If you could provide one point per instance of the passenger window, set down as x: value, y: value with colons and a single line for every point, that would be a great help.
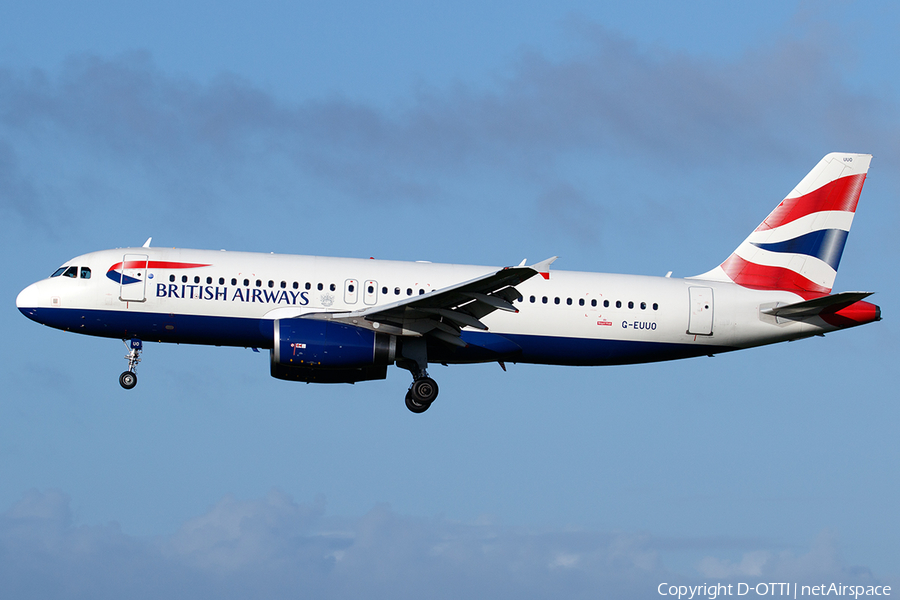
x: 351, y: 288
x: 630, y: 304
x: 397, y: 291
x: 85, y: 273
x: 371, y: 289
x: 184, y: 279
x: 384, y: 290
x: 283, y: 284
x: 409, y: 291
x: 308, y: 285
x: 581, y: 302
x: 296, y: 285
x: 556, y: 300
x: 259, y: 283
x: 320, y: 287
x: 196, y: 279
x: 569, y: 301
x: 271, y: 283
x: 246, y: 283
x: 544, y: 299
x: 618, y: 304
x: 606, y: 304
x: 594, y: 303
x: 532, y: 299
x: 655, y: 306
x: 421, y: 291
x: 172, y: 278
x: 221, y: 281
x: 643, y: 306
x: 332, y: 287
x: 233, y: 281
x: 58, y: 272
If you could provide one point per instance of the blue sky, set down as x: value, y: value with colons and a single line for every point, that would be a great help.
x: 640, y: 138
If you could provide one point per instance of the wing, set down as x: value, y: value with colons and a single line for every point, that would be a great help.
x: 443, y: 313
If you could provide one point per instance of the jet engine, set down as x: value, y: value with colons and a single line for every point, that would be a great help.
x: 321, y: 351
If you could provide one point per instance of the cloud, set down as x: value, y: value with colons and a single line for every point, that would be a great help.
x: 18, y: 195
x: 821, y: 562
x: 615, y: 97
x: 275, y: 547
x: 237, y: 535
x: 750, y: 565
x: 570, y: 210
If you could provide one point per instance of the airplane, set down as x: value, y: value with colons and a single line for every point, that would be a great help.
x: 345, y: 320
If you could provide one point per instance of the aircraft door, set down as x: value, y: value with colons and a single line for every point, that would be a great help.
x: 701, y: 321
x: 133, y: 278
x: 351, y: 291
x: 371, y: 292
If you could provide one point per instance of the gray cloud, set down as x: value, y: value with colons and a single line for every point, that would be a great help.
x: 615, y: 94
x: 18, y: 195
x: 821, y: 563
x: 274, y: 547
x: 568, y: 209
x: 563, y: 137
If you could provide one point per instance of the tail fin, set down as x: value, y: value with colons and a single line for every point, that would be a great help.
x: 798, y: 246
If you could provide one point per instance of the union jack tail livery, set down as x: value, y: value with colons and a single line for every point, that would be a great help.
x: 798, y: 247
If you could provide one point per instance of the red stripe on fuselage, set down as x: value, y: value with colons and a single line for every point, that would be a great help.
x: 840, y: 194
x: 156, y: 264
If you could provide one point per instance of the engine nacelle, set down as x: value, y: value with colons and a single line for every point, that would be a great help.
x: 315, y: 350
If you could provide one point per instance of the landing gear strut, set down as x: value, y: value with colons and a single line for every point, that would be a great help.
x: 423, y: 390
x: 128, y: 379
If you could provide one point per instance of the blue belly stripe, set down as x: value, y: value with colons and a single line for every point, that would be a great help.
x: 258, y: 333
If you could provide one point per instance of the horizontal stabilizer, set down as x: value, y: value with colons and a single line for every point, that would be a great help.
x: 811, y: 308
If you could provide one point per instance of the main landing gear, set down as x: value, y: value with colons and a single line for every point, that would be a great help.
x: 423, y: 390
x: 421, y: 394
x: 128, y: 379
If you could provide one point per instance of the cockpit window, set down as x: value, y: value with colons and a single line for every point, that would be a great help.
x: 72, y: 272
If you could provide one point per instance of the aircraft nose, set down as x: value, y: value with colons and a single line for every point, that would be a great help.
x: 27, y: 300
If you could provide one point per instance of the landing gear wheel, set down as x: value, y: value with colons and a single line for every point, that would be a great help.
x: 414, y: 405
x: 128, y: 380
x: 424, y: 390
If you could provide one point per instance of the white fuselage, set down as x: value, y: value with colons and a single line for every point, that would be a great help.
x: 233, y: 298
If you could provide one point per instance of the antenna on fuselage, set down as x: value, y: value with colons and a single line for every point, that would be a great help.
x: 147, y: 243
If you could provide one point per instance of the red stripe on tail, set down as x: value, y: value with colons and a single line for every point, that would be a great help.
x: 764, y: 277
x: 840, y: 194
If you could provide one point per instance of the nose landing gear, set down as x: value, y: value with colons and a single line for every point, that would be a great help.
x: 128, y: 379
